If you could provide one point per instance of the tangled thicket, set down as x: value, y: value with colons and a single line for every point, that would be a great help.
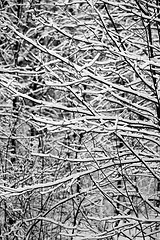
x: 79, y: 119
